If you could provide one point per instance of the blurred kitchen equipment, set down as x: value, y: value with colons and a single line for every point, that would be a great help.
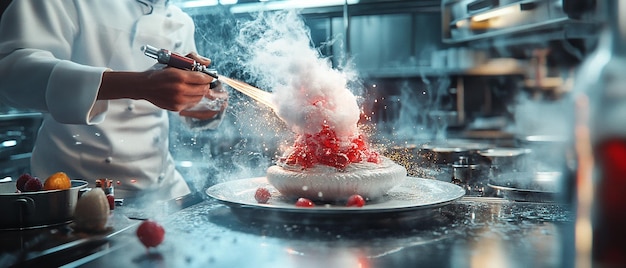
x: 547, y: 152
x: 447, y: 151
x: 40, y: 209
x: 18, y: 131
x: 527, y: 186
x: 467, y: 20
x: 503, y: 159
x: 472, y: 177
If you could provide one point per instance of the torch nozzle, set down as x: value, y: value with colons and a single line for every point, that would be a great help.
x: 211, y: 72
x: 150, y: 51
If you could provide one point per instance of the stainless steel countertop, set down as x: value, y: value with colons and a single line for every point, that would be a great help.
x: 471, y: 232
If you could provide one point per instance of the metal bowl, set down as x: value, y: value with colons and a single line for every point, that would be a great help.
x: 37, y: 209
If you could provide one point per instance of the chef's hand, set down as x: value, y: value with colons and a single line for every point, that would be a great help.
x: 205, y: 114
x: 216, y: 91
x: 168, y: 88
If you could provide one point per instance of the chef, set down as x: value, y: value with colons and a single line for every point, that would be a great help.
x: 104, y: 103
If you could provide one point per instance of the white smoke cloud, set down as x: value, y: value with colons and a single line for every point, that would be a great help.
x: 307, y: 91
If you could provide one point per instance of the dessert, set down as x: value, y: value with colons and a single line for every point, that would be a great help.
x: 322, y: 167
x: 371, y: 180
x: 330, y: 159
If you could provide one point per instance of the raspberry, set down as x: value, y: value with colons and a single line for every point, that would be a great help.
x: 150, y: 233
x: 262, y: 195
x: 303, y: 202
x: 21, y: 181
x: 326, y: 148
x: 373, y: 157
x: 355, y: 201
x: 33, y: 185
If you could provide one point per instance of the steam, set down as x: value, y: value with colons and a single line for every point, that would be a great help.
x: 307, y: 91
x: 409, y: 115
x: 541, y: 117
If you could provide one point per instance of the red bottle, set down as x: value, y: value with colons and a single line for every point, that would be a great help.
x: 601, y: 146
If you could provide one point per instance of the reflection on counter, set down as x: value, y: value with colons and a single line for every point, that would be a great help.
x: 470, y: 231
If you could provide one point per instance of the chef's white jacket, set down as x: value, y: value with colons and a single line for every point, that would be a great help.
x: 52, y: 57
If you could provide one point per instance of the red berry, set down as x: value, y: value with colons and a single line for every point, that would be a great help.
x: 374, y: 157
x: 262, y: 195
x: 326, y: 148
x: 150, y: 233
x: 21, y: 181
x: 303, y: 202
x: 33, y: 185
x: 355, y: 201
x: 111, y: 200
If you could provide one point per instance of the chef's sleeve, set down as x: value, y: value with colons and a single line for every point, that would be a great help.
x: 36, y: 71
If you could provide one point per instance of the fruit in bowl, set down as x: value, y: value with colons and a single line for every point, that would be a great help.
x: 28, y: 183
x: 57, y: 181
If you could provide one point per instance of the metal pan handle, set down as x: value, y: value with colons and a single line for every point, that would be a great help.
x: 25, y: 205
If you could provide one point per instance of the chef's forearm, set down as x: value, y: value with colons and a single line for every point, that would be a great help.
x: 120, y: 85
x: 170, y: 89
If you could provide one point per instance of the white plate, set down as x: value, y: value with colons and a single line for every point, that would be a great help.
x: 414, y: 198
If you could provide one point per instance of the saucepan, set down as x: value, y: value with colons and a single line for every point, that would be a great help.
x: 449, y: 151
x: 505, y: 159
x: 473, y: 177
x: 40, y: 209
x: 537, y: 186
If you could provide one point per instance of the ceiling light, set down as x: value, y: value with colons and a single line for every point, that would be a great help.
x: 496, y: 13
x: 288, y: 4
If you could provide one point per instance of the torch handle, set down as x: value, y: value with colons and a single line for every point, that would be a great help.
x: 178, y: 61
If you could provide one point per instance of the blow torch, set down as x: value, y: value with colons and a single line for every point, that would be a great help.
x: 178, y: 61
x: 168, y: 58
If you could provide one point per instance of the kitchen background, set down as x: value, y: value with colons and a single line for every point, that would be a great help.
x: 480, y: 70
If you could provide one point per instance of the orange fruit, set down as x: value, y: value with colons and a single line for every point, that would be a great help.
x: 57, y: 181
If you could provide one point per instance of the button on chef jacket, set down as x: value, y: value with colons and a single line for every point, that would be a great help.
x: 52, y: 57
